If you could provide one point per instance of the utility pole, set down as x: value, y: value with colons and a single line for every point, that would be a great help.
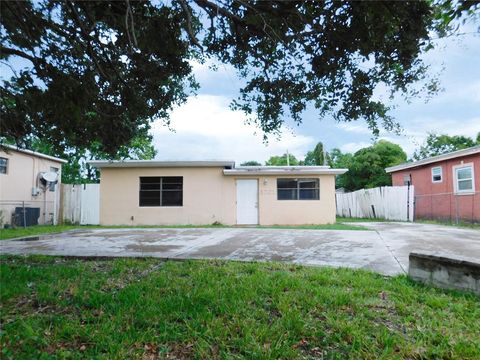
x: 288, y: 158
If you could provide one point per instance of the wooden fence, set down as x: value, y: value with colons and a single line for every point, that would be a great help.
x: 80, y: 204
x: 388, y: 202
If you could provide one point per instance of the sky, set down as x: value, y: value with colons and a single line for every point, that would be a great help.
x: 206, y: 128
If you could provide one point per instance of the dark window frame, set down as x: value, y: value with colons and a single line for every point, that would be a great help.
x: 3, y: 165
x: 298, y: 191
x: 164, y: 187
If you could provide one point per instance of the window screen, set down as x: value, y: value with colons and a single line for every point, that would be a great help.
x: 161, y: 191
x: 298, y: 189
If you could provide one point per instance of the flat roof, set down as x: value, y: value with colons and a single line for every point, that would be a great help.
x: 228, y: 165
x: 451, y: 155
x: 158, y: 163
x: 283, y: 170
x: 34, y: 153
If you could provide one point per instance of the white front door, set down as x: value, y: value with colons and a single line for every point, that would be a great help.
x: 247, y: 202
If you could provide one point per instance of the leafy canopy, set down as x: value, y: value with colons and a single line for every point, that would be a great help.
x: 366, y: 168
x: 441, y: 144
x: 284, y: 160
x: 100, y: 71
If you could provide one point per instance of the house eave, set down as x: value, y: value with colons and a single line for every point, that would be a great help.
x: 33, y: 153
x: 161, y: 164
x: 455, y: 154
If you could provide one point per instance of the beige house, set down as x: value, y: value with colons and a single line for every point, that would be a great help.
x: 26, y: 196
x: 148, y: 192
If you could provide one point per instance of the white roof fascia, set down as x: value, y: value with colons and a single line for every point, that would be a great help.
x: 452, y: 155
x: 155, y: 163
x: 34, y: 153
x: 297, y: 171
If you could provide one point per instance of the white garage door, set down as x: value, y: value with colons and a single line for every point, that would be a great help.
x: 247, y: 202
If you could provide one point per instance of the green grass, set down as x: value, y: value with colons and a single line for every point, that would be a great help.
x: 49, y: 229
x: 145, y: 308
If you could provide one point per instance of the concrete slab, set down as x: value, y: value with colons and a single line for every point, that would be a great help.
x: 385, y: 249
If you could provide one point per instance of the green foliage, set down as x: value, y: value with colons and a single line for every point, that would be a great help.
x: 315, y: 156
x: 148, y: 308
x: 282, y: 160
x: 368, y: 165
x: 250, y: 163
x: 366, y: 168
x: 441, y: 144
x: 338, y: 160
x: 98, y: 72
x: 77, y: 171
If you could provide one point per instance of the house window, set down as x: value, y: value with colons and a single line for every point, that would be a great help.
x: 406, y: 180
x: 298, y: 189
x: 437, y: 174
x: 3, y: 165
x: 161, y: 191
x: 464, y: 179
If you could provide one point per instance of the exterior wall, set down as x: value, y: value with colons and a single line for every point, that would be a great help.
x: 438, y: 200
x: 208, y: 196
x: 16, y: 186
x: 296, y: 212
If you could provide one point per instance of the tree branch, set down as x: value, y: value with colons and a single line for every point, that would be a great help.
x: 186, y: 9
x: 10, y: 51
x: 205, y: 4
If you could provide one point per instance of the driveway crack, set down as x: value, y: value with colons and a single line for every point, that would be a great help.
x: 390, y: 251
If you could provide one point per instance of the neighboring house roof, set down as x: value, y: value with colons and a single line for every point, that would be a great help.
x: 452, y: 155
x: 229, y: 167
x: 284, y: 170
x: 156, y: 163
x: 34, y: 153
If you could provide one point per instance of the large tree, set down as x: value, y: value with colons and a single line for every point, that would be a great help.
x: 436, y: 144
x: 315, y: 156
x: 98, y: 72
x: 367, y: 166
x: 339, y: 160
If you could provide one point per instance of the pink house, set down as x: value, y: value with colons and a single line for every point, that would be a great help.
x: 447, y: 187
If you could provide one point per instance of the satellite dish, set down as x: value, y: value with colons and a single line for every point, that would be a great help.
x: 50, y: 176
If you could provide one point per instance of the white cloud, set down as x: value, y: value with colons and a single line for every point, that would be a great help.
x: 352, y: 147
x: 357, y: 128
x: 205, y: 128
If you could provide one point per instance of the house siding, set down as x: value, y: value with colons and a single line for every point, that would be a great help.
x: 208, y: 196
x: 438, y: 200
x: 16, y: 186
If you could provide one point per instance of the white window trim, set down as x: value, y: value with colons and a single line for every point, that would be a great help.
x: 455, y: 180
x: 441, y: 174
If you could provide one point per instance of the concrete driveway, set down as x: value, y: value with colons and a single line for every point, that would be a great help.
x: 385, y: 249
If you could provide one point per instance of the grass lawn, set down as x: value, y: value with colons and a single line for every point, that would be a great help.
x: 49, y: 229
x: 147, y: 309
